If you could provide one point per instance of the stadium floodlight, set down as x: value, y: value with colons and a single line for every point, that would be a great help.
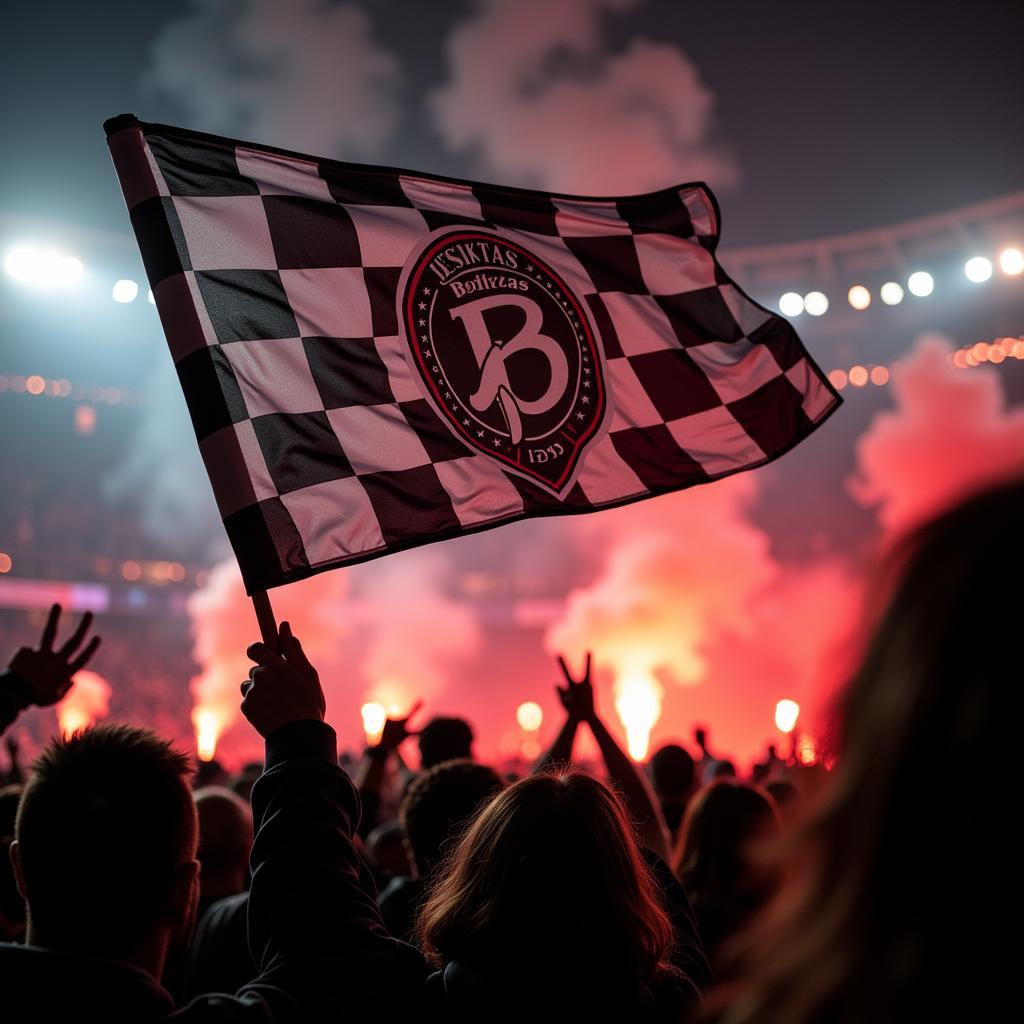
x: 791, y: 304
x: 1011, y: 261
x: 22, y: 264
x: 63, y: 271
x: 816, y: 303
x: 42, y: 268
x: 124, y: 291
x: 859, y: 297
x: 978, y: 269
x: 891, y: 293
x: 921, y: 283
x: 149, y: 297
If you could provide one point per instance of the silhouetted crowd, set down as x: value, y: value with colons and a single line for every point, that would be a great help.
x: 303, y: 888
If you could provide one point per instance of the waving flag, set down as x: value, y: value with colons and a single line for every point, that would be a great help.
x: 375, y: 359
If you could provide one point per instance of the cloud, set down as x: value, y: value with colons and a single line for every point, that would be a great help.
x: 301, y: 74
x: 949, y: 435
x: 536, y: 94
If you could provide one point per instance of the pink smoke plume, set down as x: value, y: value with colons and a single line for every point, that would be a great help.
x: 385, y: 632
x: 87, y: 701
x: 416, y: 635
x: 534, y: 90
x: 682, y: 571
x: 949, y: 435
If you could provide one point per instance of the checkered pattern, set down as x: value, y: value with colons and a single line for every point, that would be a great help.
x: 275, y: 277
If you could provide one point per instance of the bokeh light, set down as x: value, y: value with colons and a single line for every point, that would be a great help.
x: 816, y: 303
x: 978, y: 269
x: 124, y: 291
x: 530, y: 716
x: 1011, y: 261
x: 858, y: 376
x: 859, y: 297
x: 891, y: 293
x: 921, y: 283
x: 791, y: 304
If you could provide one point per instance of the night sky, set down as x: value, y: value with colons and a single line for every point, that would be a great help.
x: 839, y: 116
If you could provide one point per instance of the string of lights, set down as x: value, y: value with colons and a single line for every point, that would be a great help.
x: 152, y: 573
x: 920, y: 284
x: 60, y: 387
x: 996, y: 351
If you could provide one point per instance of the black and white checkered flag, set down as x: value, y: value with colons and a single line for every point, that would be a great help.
x: 376, y: 359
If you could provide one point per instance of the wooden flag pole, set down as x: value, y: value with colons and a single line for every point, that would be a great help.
x: 265, y: 617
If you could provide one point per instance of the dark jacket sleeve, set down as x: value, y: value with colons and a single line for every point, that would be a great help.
x: 314, y: 927
x: 14, y: 698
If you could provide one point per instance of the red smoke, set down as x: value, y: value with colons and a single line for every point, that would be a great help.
x: 951, y: 433
x: 596, y: 122
x: 383, y: 632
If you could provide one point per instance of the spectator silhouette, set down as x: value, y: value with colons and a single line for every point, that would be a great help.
x: 106, y: 838
x: 548, y: 887
x: 218, y: 958
x: 388, y: 852
x: 672, y: 771
x: 715, y: 861
x: 225, y: 839
x: 544, y: 909
x: 445, y: 739
x: 12, y: 906
x: 435, y: 809
x: 129, y: 897
x: 905, y: 883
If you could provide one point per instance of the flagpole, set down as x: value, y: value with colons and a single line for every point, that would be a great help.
x: 265, y: 617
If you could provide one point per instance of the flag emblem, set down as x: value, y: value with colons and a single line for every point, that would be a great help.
x: 505, y: 352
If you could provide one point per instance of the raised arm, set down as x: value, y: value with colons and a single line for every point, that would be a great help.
x: 41, y: 675
x: 372, y: 769
x: 314, y: 927
x: 560, y: 752
x: 578, y: 699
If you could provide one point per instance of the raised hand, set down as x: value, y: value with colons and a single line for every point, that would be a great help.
x: 283, y: 687
x: 396, y: 730
x: 49, y: 672
x: 577, y: 696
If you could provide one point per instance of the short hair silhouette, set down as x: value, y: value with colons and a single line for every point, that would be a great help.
x: 439, y: 804
x: 445, y: 739
x: 672, y: 770
x: 105, y: 821
x: 225, y: 832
